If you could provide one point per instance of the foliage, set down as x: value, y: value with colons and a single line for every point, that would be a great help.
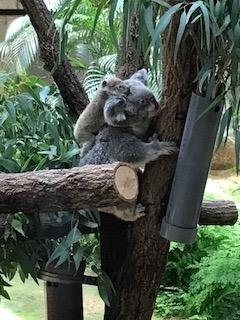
x: 170, y: 304
x: 35, y: 129
x: 74, y: 21
x: 199, y: 271
x: 36, y: 133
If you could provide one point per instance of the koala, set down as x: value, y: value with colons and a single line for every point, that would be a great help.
x: 91, y: 119
x: 128, y: 103
x: 128, y: 117
x: 114, y: 144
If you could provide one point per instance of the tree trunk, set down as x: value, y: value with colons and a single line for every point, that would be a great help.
x: 68, y: 82
x: 141, y: 252
x: 68, y: 189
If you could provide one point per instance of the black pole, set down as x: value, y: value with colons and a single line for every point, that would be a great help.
x: 64, y: 301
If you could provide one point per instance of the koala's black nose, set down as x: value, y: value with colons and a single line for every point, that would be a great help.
x: 127, y: 91
x: 121, y: 101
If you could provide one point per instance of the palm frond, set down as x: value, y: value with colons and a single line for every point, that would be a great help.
x: 20, y: 47
x: 105, y: 66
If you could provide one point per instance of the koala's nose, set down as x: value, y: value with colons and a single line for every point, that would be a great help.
x: 121, y: 101
x: 127, y: 91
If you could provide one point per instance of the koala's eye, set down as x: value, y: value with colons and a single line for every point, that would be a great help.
x: 142, y: 101
x: 104, y: 83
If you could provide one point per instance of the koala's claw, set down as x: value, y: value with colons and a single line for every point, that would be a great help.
x: 169, y: 147
x: 139, y: 210
x: 154, y: 137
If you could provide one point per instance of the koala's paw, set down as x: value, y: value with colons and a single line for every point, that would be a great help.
x: 139, y: 211
x: 155, y: 137
x: 168, y: 147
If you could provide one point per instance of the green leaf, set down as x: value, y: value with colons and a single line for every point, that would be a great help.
x: 192, y: 9
x: 180, y: 32
x: 77, y: 257
x: 11, y: 110
x: 63, y: 257
x: 162, y: 3
x: 111, y: 22
x: 69, y: 155
x: 164, y: 22
x: 73, y: 236
x: 9, y: 165
x: 148, y: 18
x: 59, y: 251
x: 3, y: 78
x: 4, y: 294
x: 218, y: 100
x: 203, y: 79
x: 103, y: 291
x: 3, y: 282
x: 17, y: 225
x: 206, y: 23
x: 237, y: 149
x: 224, y: 124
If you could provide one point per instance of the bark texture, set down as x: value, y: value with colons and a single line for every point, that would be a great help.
x: 67, y: 189
x: 140, y: 253
x: 218, y: 213
x: 67, y: 80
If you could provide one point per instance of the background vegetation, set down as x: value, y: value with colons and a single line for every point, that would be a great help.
x: 36, y: 133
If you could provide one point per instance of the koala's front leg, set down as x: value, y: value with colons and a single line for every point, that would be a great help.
x: 126, y: 212
x: 156, y: 148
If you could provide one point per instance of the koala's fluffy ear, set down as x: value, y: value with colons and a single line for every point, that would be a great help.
x: 140, y: 75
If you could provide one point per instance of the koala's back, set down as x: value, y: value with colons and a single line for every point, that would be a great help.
x: 113, y: 144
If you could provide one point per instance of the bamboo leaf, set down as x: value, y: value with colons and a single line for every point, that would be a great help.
x: 111, y: 22
x: 213, y: 104
x: 162, y: 3
x: 224, y: 124
x: 180, y: 32
x: 203, y: 79
x: 148, y: 18
x: 237, y: 149
x: 207, y: 24
x: 192, y: 9
x: 164, y: 21
x: 99, y: 11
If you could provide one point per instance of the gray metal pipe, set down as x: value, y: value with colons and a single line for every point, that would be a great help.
x: 180, y: 222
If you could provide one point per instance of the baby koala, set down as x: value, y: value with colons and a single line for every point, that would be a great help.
x: 113, y: 94
x: 91, y: 120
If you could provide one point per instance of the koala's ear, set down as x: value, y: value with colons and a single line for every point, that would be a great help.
x: 141, y: 75
x: 104, y: 83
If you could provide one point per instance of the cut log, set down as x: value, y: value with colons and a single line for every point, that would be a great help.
x: 68, y: 189
x: 219, y: 213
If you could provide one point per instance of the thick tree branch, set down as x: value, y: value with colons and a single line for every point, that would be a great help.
x: 68, y: 82
x: 67, y: 189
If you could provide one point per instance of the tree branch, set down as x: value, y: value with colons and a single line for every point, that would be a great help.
x: 66, y: 79
x: 67, y: 189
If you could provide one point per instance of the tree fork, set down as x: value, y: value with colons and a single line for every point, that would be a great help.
x: 68, y: 189
x: 67, y: 80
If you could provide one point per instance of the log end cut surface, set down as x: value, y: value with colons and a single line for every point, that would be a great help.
x: 126, y: 183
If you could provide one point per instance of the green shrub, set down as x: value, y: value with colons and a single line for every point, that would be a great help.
x: 35, y: 129
x: 207, y: 273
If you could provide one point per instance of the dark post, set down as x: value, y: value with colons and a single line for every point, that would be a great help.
x: 64, y: 301
x: 63, y: 292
